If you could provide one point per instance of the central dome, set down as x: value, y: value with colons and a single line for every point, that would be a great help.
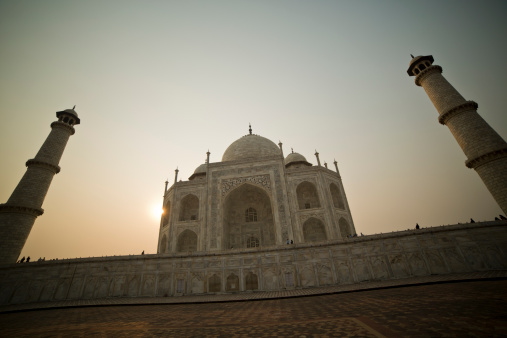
x: 250, y: 147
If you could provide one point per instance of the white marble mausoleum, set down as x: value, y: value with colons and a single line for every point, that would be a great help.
x: 254, y: 197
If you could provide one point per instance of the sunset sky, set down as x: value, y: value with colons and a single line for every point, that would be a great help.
x: 158, y: 83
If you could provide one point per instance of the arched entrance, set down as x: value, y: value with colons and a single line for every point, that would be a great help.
x: 187, y: 241
x: 248, y: 218
x: 337, y: 196
x: 344, y: 228
x: 314, y: 230
x: 163, y: 244
x: 189, y: 208
x: 307, y: 195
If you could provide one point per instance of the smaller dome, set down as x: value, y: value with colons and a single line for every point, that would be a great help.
x: 200, y: 169
x: 295, y: 158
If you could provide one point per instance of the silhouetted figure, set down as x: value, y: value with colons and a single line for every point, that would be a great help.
x: 287, y: 241
x: 44, y: 259
x: 503, y: 217
x: 417, y: 226
x: 497, y: 219
x: 142, y: 253
x: 472, y: 220
x: 291, y: 241
x: 362, y: 234
x: 28, y: 259
x: 22, y: 259
x: 355, y: 235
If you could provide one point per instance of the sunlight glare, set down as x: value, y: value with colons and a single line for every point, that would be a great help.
x: 156, y: 211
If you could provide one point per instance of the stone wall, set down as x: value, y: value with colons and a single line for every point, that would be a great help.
x: 439, y: 250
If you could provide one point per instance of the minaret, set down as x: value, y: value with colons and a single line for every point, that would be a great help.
x: 18, y: 215
x: 485, y: 150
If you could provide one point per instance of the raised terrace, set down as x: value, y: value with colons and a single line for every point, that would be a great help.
x: 444, y: 250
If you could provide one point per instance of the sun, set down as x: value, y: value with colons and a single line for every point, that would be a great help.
x: 156, y: 211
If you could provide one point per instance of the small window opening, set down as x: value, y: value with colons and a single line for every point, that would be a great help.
x: 193, y: 217
x: 252, y: 242
x: 422, y: 67
x: 65, y: 119
x: 251, y: 215
x: 307, y: 205
x: 416, y: 71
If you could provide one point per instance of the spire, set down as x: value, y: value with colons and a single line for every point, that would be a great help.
x: 280, y: 144
x: 207, y: 157
x: 336, y: 166
x: 317, y: 156
x: 412, y: 56
x: 250, y: 128
x: 176, y: 175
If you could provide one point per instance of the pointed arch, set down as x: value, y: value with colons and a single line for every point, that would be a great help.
x: 337, y: 196
x: 314, y: 230
x: 187, y: 241
x: 232, y: 283
x: 189, y: 208
x: 247, y: 218
x: 307, y: 195
x: 167, y: 213
x: 163, y: 244
x: 215, y: 284
x: 251, y: 281
x: 344, y: 228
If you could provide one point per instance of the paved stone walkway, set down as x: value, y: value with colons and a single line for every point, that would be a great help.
x: 465, y: 305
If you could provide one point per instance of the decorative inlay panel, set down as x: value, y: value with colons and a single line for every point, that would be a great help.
x: 304, y: 217
x: 261, y: 180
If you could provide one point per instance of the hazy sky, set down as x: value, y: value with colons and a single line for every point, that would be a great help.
x: 158, y: 83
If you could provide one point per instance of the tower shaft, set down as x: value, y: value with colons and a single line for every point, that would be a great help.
x: 18, y: 214
x: 484, y: 148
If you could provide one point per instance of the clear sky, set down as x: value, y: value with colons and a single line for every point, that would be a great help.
x: 158, y: 83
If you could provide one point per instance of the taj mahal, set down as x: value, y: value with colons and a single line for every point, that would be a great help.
x: 254, y: 198
x: 261, y: 219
